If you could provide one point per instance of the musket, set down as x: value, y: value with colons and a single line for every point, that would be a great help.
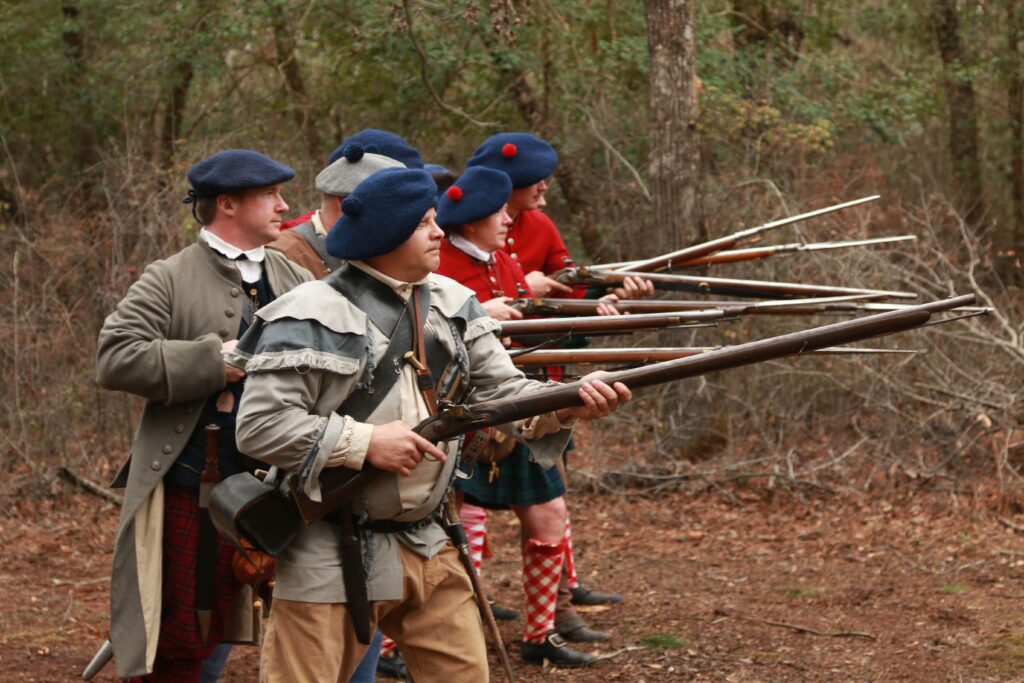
x: 604, y: 324
x: 98, y: 661
x: 565, y: 307
x: 453, y: 526
x: 729, y: 241
x: 548, y: 357
x: 584, y: 276
x: 339, y: 484
x: 756, y: 253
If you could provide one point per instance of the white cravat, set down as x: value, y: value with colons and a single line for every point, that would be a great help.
x: 465, y: 246
x: 249, y: 267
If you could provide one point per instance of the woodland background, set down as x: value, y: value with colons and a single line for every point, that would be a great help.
x: 674, y: 120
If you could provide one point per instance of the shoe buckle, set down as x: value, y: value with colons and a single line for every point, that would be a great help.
x: 556, y: 640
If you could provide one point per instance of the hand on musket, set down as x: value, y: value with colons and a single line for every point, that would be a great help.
x: 606, y: 305
x: 499, y: 309
x: 542, y: 285
x: 395, y: 447
x: 599, y: 399
x: 634, y: 288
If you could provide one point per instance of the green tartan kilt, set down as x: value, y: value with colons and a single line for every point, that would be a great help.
x: 519, y: 482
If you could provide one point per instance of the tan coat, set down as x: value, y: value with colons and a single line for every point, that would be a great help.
x: 289, y: 403
x: 297, y: 249
x: 163, y: 342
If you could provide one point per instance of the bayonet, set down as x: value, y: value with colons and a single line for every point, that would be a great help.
x: 755, y: 253
x: 729, y: 241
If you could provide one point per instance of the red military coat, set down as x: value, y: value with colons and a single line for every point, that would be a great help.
x: 502, y: 277
x: 534, y: 242
x: 293, y: 222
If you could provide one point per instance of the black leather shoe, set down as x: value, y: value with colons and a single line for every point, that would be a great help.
x: 555, y: 651
x: 503, y: 613
x: 581, y: 595
x: 582, y: 634
x: 392, y: 667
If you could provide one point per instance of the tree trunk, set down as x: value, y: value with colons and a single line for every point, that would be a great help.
x: 85, y: 154
x: 174, y: 113
x: 288, y: 64
x: 964, y: 145
x: 675, y: 146
x: 1015, y: 108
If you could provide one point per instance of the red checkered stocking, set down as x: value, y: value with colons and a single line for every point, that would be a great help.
x: 570, y: 561
x: 387, y: 647
x: 474, y: 522
x: 542, y: 570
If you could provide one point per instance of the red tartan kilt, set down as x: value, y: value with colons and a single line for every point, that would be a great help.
x: 179, y: 628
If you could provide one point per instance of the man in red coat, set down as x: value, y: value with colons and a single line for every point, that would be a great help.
x: 472, y: 213
x: 533, y: 239
x: 535, y: 243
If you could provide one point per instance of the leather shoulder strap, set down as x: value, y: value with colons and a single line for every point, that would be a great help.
x: 389, y: 313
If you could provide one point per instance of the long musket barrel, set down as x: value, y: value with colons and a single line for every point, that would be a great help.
x: 585, y: 277
x: 729, y: 241
x: 339, y: 484
x: 596, y: 324
x: 755, y: 253
x: 655, y: 355
x: 834, y: 304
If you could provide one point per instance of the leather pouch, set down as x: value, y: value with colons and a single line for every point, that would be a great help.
x: 245, y: 507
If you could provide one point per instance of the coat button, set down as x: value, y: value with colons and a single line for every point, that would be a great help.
x: 179, y: 428
x: 155, y: 466
x: 510, y: 240
x: 235, y: 291
x: 168, y: 449
x: 224, y: 332
x: 229, y: 313
x: 515, y: 256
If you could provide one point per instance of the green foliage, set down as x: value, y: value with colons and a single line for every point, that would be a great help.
x: 663, y: 641
x: 955, y: 588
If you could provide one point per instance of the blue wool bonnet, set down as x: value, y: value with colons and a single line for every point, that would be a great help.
x: 381, y: 213
x: 381, y: 142
x: 231, y: 172
x: 478, y: 193
x: 234, y: 170
x: 524, y: 157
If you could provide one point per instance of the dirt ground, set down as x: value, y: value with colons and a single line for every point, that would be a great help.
x: 901, y: 586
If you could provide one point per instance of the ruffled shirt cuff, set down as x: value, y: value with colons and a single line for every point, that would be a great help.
x: 540, y: 426
x: 350, y: 449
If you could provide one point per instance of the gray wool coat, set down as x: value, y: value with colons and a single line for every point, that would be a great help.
x: 163, y: 342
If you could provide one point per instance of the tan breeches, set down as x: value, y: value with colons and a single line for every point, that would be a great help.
x: 436, y: 625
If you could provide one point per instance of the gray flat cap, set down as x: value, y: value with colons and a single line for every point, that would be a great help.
x: 341, y: 177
